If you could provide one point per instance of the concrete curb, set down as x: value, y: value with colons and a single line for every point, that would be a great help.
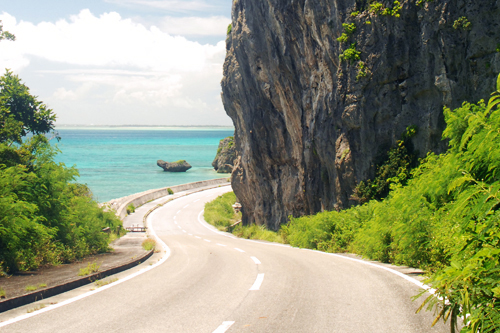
x: 69, y: 285
x: 120, y: 205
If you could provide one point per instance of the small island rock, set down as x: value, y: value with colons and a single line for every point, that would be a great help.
x: 226, y: 155
x: 178, y: 166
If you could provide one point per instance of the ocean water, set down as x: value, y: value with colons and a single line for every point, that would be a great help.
x: 116, y: 162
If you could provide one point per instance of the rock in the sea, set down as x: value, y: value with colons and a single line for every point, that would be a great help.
x: 178, y: 166
x: 320, y: 90
x: 226, y: 156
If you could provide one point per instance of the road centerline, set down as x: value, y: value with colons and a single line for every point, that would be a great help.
x: 255, y: 260
x: 258, y: 282
x: 224, y: 327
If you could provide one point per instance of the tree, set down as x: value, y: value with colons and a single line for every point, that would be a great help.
x: 5, y: 34
x: 20, y: 112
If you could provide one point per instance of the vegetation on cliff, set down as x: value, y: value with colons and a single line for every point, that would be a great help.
x: 445, y: 220
x: 45, y: 217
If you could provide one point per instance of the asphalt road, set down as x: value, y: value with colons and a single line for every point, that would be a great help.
x: 212, y: 282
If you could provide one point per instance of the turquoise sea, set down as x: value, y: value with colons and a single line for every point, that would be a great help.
x: 116, y: 162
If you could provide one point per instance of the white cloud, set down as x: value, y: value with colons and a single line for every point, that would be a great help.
x: 195, y: 26
x: 108, y: 67
x: 169, y: 5
x: 107, y: 40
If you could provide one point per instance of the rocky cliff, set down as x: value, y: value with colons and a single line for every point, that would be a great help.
x: 226, y: 155
x: 314, y: 115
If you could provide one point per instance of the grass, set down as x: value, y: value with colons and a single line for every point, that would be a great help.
x: 149, y: 244
x: 220, y: 214
x: 30, y: 288
x: 91, y: 268
x: 101, y: 283
x: 33, y: 288
x: 2, y: 293
x: 39, y: 307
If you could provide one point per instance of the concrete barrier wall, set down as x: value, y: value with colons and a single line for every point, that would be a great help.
x: 120, y: 205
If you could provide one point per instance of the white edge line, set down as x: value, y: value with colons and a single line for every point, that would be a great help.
x: 224, y: 327
x: 239, y: 250
x: 256, y: 261
x: 206, y: 240
x: 90, y: 293
x: 221, y: 244
x: 404, y: 276
x: 258, y: 282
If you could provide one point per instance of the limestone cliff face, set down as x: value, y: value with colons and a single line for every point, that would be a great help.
x: 309, y: 126
x: 226, y: 155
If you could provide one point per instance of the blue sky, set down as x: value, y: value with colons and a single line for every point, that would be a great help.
x: 113, y: 62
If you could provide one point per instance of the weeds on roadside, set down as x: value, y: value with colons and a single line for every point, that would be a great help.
x: 39, y: 307
x: 30, y: 288
x: 2, y: 293
x: 91, y: 268
x: 101, y: 283
x: 149, y: 244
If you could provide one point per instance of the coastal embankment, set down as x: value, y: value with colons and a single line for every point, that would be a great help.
x: 120, y: 205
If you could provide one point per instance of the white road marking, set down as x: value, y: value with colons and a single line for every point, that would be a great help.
x: 175, y: 222
x: 258, y: 282
x: 190, y: 234
x: 184, y: 231
x: 175, y: 217
x: 196, y: 200
x: 197, y: 237
x: 255, y: 260
x: 90, y: 293
x: 221, y: 244
x: 179, y: 227
x: 224, y: 327
x: 240, y: 250
x: 404, y: 276
x: 206, y: 240
x: 178, y: 212
x: 186, y: 206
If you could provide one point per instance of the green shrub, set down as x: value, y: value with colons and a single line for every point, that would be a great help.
x: 2, y: 293
x: 170, y: 191
x: 45, y: 217
x: 394, y: 171
x: 462, y: 23
x: 130, y: 208
x: 229, y: 29
x: 350, y: 53
x: 149, y: 244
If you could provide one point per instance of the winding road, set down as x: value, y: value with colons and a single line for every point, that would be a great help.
x: 209, y: 281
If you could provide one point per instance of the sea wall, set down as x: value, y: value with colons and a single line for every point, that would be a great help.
x: 314, y: 115
x: 120, y: 205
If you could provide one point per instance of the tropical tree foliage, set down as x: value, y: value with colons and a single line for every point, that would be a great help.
x: 446, y: 219
x: 45, y: 217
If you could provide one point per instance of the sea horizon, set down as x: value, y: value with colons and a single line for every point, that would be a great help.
x: 115, y: 162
